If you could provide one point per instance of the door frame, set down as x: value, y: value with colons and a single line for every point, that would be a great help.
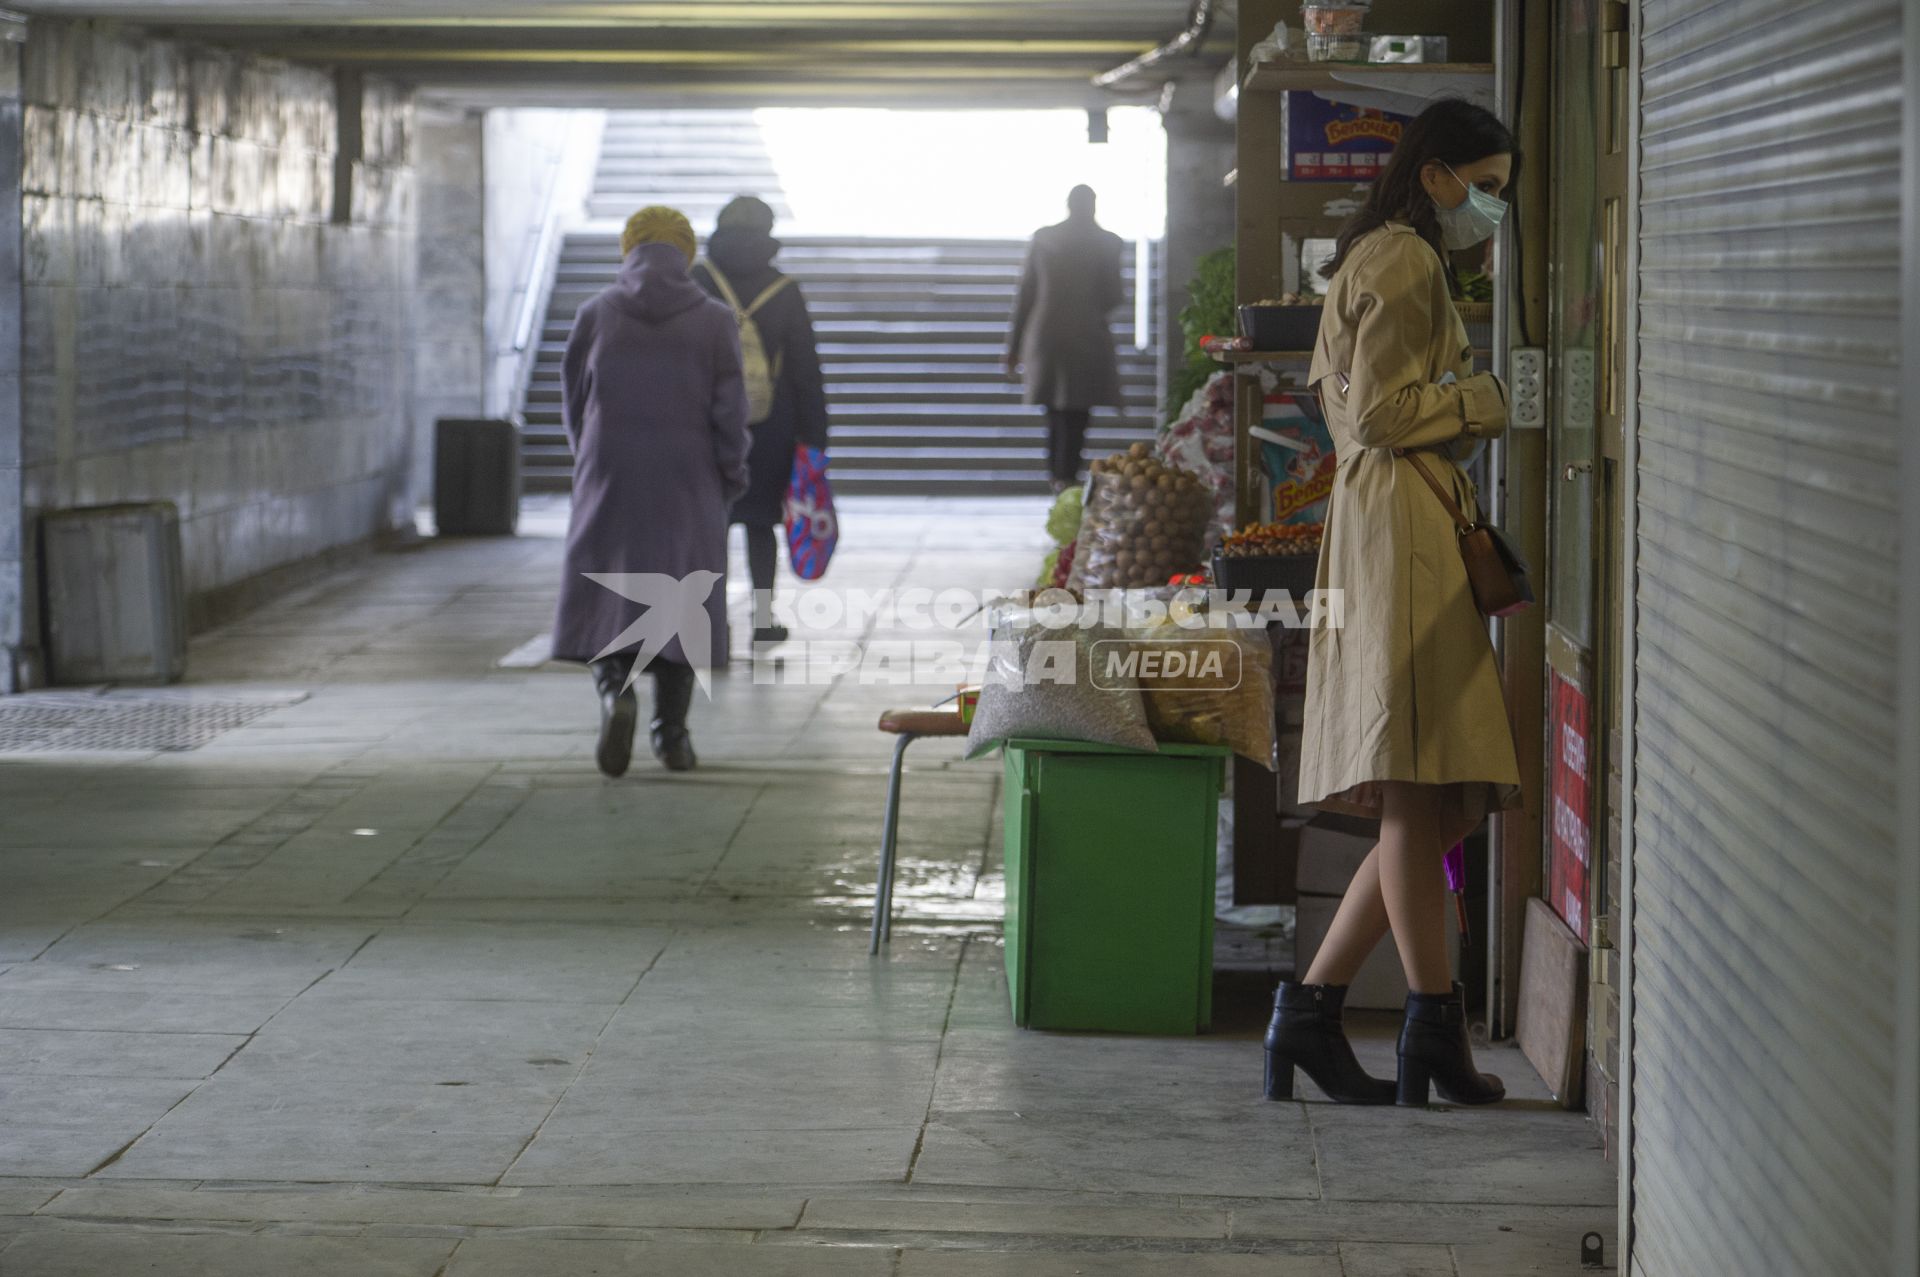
x: 1628, y: 663
x: 1906, y: 1242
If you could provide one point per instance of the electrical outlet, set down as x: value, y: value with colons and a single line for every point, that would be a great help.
x: 1580, y: 388
x: 1527, y: 383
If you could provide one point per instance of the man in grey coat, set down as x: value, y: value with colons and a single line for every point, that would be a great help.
x: 656, y: 412
x: 1060, y: 335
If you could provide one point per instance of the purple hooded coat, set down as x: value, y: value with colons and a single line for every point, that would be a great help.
x: 656, y: 412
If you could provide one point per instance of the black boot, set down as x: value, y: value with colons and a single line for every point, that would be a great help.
x: 672, y: 697
x: 1306, y: 1033
x: 1434, y: 1048
x: 619, y: 713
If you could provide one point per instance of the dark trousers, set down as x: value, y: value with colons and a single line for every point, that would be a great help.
x: 763, y: 557
x: 1066, y: 436
x: 673, y: 684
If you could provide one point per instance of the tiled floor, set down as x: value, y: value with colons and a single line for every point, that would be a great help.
x: 390, y: 981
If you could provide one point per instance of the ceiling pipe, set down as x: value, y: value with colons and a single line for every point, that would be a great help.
x: 1188, y: 43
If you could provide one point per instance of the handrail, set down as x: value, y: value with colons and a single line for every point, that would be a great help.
x: 536, y: 289
x: 1142, y: 293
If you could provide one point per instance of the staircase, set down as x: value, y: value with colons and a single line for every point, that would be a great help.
x: 912, y: 333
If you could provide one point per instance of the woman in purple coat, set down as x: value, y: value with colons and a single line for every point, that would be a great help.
x: 656, y: 412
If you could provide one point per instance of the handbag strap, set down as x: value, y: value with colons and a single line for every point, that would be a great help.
x: 1466, y: 525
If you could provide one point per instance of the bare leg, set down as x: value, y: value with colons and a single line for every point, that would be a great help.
x: 1358, y: 926
x: 1364, y: 914
x: 1414, y: 883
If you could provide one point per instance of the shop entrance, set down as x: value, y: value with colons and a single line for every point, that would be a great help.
x: 1586, y: 373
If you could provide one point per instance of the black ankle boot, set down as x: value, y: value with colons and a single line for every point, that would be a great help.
x: 672, y: 698
x: 1434, y: 1048
x: 619, y: 713
x: 1306, y: 1033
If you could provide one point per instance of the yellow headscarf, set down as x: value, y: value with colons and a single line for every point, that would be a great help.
x: 658, y: 224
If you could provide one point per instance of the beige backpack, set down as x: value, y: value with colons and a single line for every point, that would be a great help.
x: 762, y: 373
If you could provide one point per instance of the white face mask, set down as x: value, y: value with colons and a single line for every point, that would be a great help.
x: 1474, y: 219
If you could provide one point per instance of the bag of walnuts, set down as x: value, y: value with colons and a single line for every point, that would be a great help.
x: 1144, y: 523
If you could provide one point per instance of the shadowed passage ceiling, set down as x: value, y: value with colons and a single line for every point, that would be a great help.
x: 697, y: 53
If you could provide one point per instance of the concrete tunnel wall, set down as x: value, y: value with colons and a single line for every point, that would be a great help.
x: 200, y: 323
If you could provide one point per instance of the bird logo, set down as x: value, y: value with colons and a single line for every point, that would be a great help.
x: 676, y: 608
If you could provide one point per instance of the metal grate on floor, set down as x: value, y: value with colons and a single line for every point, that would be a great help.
x: 46, y: 722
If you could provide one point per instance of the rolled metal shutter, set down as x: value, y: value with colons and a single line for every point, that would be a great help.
x: 1764, y: 994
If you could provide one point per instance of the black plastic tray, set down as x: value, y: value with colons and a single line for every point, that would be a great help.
x: 1292, y: 573
x: 1280, y: 327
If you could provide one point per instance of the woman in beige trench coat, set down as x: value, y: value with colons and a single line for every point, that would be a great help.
x: 1405, y: 718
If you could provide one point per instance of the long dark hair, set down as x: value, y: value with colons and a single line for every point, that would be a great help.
x: 1453, y: 131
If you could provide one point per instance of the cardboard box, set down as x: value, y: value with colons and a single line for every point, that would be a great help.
x: 1330, y: 142
x: 1331, y: 849
x: 1382, y: 983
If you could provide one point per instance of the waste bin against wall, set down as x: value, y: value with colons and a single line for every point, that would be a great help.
x: 1110, y: 869
x: 476, y: 477
x: 116, y: 599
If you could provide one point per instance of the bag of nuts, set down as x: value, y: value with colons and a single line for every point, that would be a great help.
x: 1145, y: 522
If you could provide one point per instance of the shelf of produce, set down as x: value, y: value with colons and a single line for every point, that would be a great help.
x: 1475, y: 312
x: 1390, y: 77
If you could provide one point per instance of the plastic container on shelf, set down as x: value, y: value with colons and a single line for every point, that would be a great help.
x: 1280, y: 327
x: 1336, y: 48
x: 1344, y: 19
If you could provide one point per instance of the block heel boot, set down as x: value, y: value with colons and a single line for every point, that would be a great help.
x: 672, y: 698
x: 1435, y: 1052
x: 1306, y: 1033
x: 619, y: 714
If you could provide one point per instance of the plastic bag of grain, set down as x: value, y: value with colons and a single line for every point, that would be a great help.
x: 1040, y: 682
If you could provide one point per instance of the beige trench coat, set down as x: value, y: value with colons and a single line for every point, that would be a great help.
x: 1406, y: 689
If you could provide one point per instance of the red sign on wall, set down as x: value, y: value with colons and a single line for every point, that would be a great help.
x: 1569, y: 794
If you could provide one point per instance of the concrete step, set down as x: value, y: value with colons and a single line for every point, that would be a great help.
x: 898, y: 381
x: 984, y: 337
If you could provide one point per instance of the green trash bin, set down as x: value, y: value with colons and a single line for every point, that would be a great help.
x: 1110, y: 883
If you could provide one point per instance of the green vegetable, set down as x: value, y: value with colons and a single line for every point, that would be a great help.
x: 1063, y: 520
x: 1209, y: 312
x: 1475, y: 287
x: 1047, y: 566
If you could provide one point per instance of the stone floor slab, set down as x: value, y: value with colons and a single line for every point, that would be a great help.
x: 1373, y: 1259
x: 1506, y: 1153
x: 258, y: 1127
x: 921, y: 1215
x: 151, y: 1011
x: 70, y: 1125
x: 92, y: 1252
x: 1034, y: 1263
x: 509, y: 1257
x: 506, y: 961
x: 824, y: 1158
x: 80, y: 1053
x: 493, y: 1208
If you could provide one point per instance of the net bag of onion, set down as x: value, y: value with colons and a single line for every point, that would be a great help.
x: 1145, y: 522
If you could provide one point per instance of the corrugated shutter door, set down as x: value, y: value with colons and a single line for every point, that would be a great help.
x: 1764, y: 888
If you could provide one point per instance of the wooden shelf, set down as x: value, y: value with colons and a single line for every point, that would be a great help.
x: 1259, y: 356
x: 1389, y: 77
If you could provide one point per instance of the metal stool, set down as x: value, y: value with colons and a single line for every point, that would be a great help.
x: 909, y: 725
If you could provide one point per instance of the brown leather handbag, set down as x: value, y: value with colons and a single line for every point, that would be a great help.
x: 1495, y: 571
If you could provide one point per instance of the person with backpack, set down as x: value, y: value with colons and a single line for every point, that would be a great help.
x: 786, y: 394
x: 655, y: 407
